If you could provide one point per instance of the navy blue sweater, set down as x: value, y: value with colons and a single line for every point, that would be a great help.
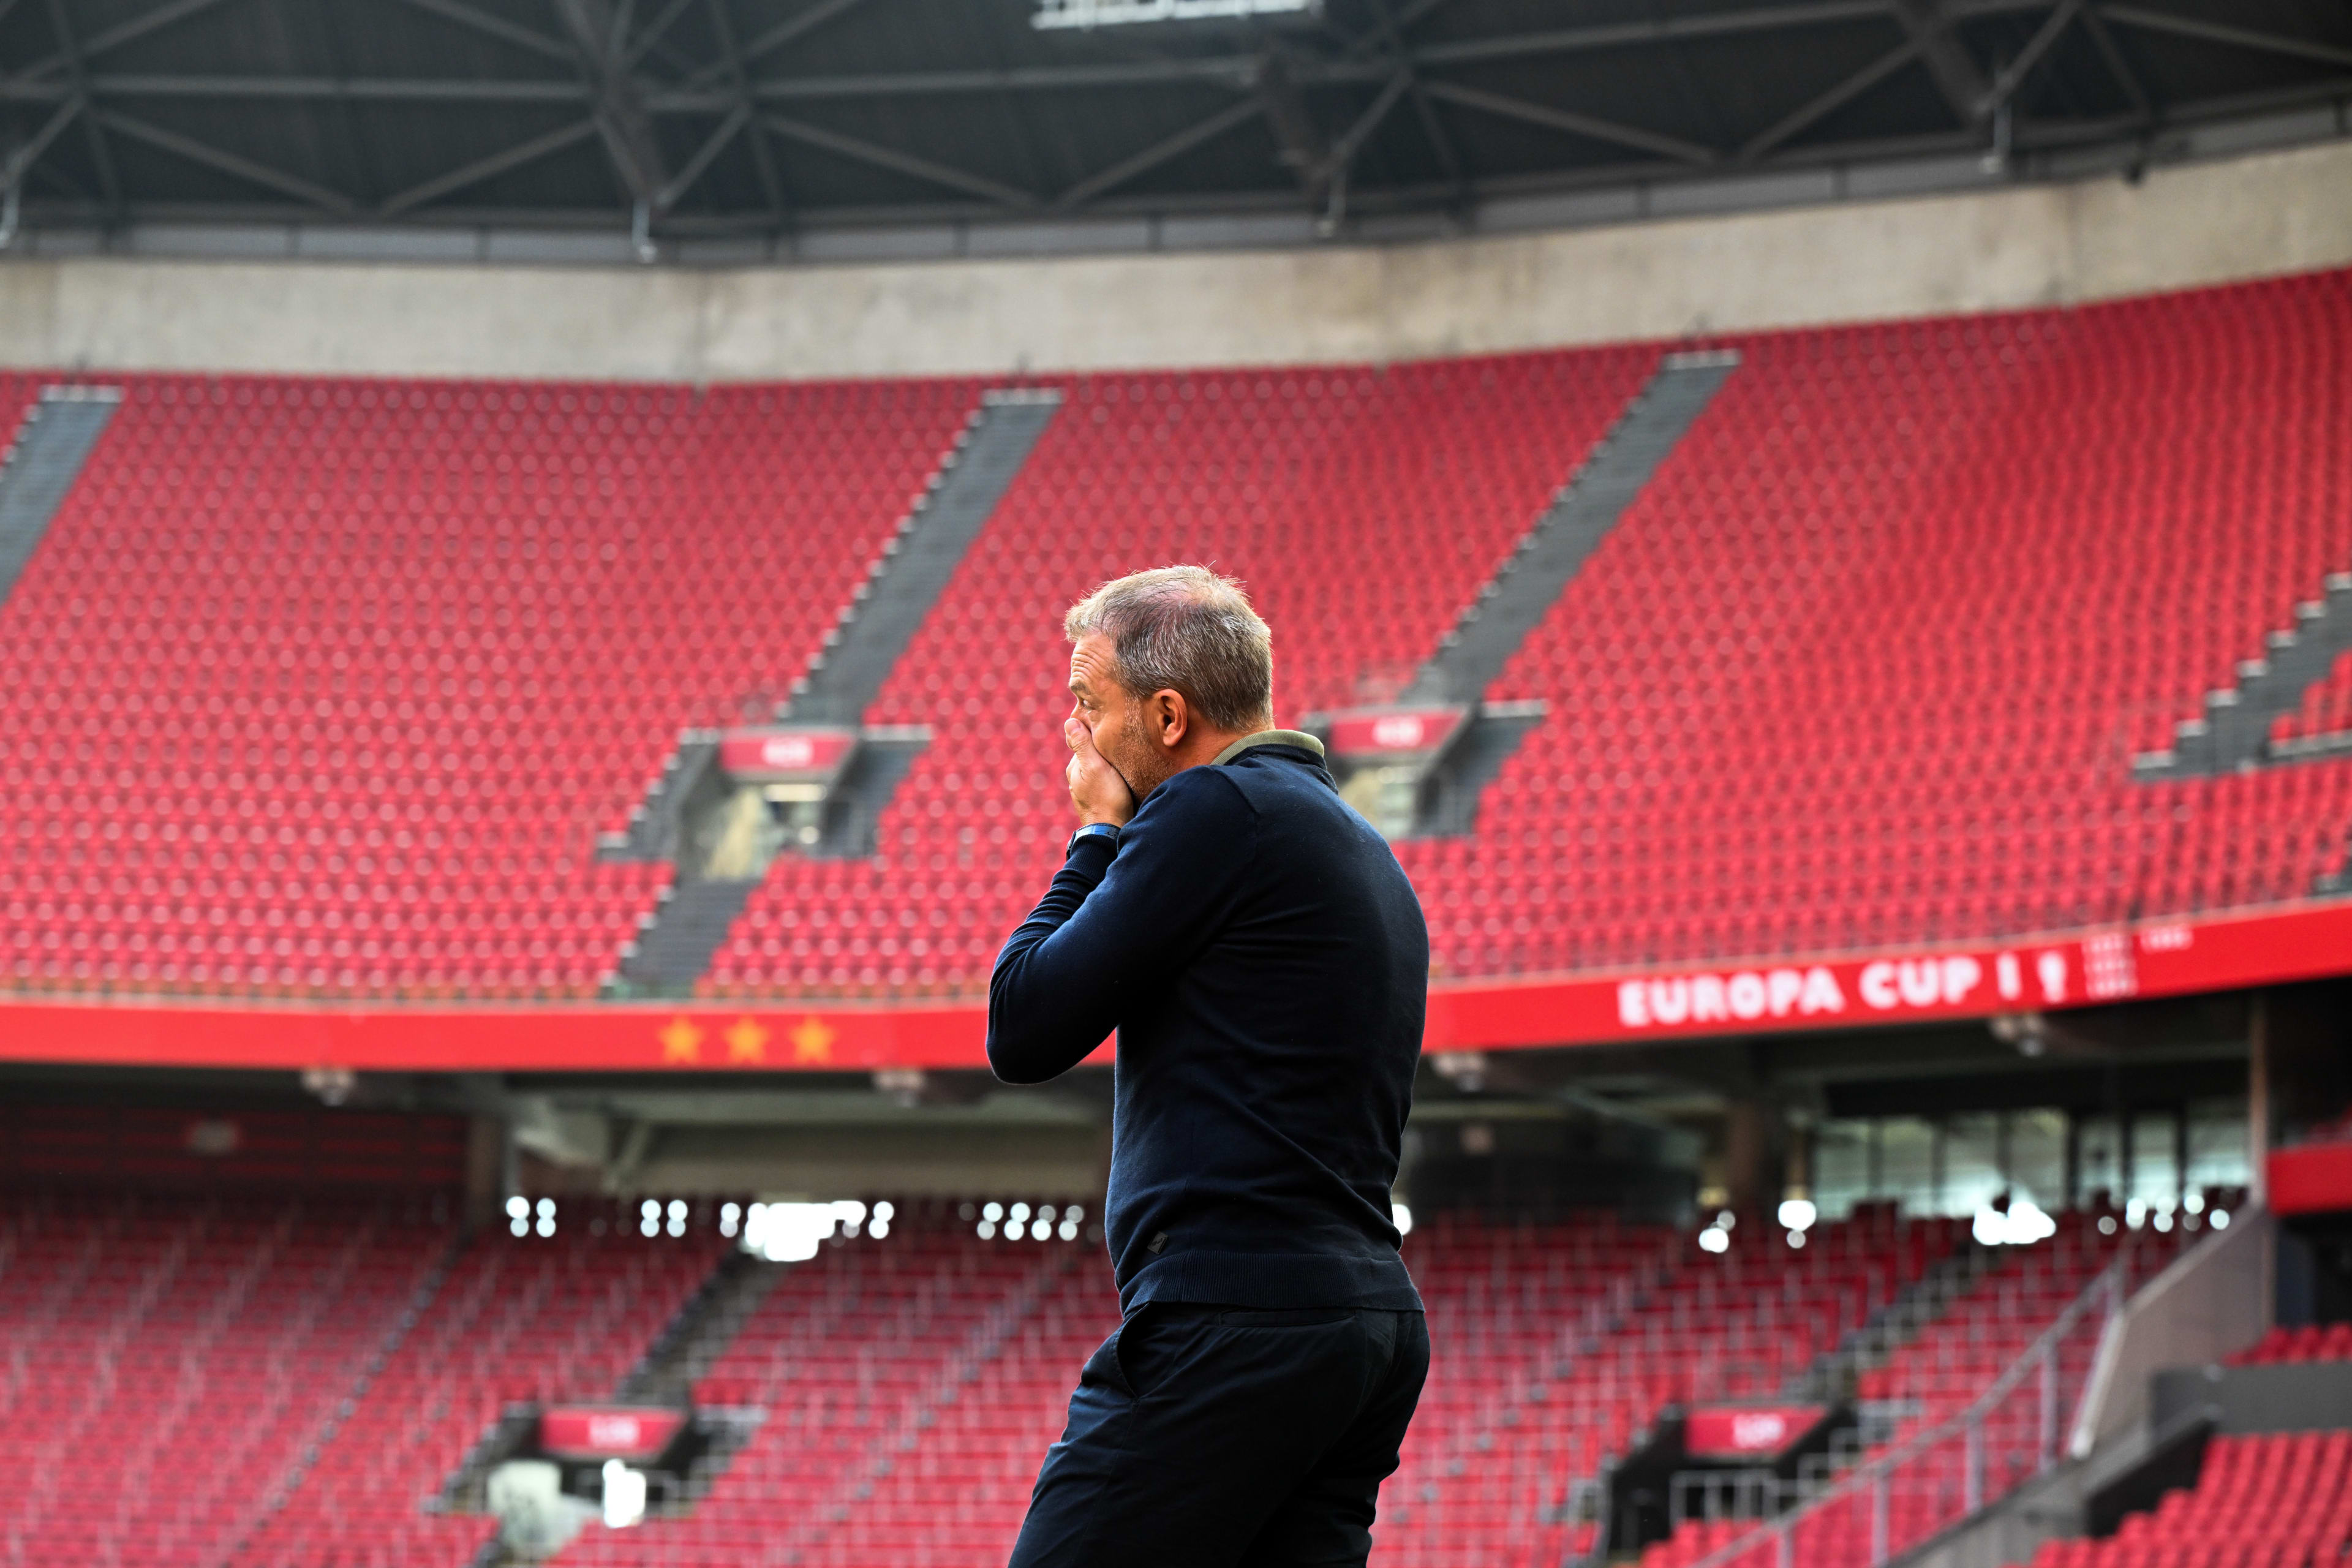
x: 1265, y: 964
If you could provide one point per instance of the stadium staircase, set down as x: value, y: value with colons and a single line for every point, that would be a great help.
x: 1948, y: 1363
x: 690, y: 812
x: 38, y: 469
x: 1523, y: 589
x: 2249, y: 724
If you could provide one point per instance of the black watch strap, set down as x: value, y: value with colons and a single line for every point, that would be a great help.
x: 1093, y: 830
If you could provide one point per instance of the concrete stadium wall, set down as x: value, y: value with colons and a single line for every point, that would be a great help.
x: 2180, y: 226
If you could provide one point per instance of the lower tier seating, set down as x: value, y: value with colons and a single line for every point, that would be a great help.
x: 1949, y: 1366
x: 167, y: 1363
x: 2275, y: 1501
x: 2311, y: 1341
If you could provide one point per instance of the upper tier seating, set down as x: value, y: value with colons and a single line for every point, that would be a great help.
x: 343, y: 678
x: 2281, y: 1501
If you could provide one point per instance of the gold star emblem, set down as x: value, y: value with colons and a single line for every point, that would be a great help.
x: 681, y: 1042
x: 747, y: 1042
x: 812, y: 1041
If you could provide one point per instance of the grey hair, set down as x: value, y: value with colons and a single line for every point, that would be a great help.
x: 1186, y: 629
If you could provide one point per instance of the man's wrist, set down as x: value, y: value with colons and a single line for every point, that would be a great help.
x: 1107, y: 831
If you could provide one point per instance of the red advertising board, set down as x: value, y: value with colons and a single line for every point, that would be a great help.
x: 2167, y: 958
x: 782, y: 753
x: 1760, y: 1432
x: 1372, y: 734
x: 634, y: 1432
x: 2311, y: 1178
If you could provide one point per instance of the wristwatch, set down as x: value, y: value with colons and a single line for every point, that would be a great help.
x: 1093, y: 830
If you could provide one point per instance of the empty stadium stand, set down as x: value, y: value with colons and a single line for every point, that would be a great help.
x: 1940, y: 1372
x: 349, y: 678
x: 169, y: 1362
x: 2308, y: 1341
x: 2263, y: 1500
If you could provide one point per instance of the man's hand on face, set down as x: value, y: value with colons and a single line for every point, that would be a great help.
x: 1097, y: 789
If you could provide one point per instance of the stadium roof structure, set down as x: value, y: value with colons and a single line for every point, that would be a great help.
x: 737, y: 130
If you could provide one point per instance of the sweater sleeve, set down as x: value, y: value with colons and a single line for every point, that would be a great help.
x: 1115, y: 924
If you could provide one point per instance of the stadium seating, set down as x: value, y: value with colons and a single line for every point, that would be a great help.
x: 166, y: 1363
x: 910, y: 1385
x: 347, y: 676
x: 1940, y: 1372
x: 2311, y: 1341
x: 2279, y: 1501
x: 513, y: 1319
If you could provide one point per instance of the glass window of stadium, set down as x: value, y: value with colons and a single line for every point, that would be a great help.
x: 2154, y: 1159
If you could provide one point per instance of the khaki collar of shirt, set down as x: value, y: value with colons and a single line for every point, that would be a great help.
x: 1298, y: 738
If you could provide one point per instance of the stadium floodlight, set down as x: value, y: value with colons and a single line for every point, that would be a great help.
x: 1714, y: 1238
x: 1797, y: 1213
x: 792, y: 1232
x: 2022, y: 1225
x: 1089, y: 13
x: 625, y: 1495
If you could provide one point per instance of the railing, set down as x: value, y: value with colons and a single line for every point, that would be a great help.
x: 2013, y: 1431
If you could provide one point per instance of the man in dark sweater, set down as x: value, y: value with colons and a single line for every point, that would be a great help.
x: 1265, y: 964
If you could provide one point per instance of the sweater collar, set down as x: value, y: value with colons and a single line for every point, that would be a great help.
x: 1298, y: 738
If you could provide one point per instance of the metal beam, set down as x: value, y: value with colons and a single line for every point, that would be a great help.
x: 1653, y: 30
x: 485, y: 168
x: 1342, y: 158
x: 908, y: 164
x: 2140, y: 17
x: 683, y: 180
x: 20, y: 162
x: 1836, y: 98
x: 776, y: 37
x: 495, y: 26
x: 739, y: 82
x: 122, y: 32
x: 1929, y: 25
x: 1159, y: 153
x: 622, y: 120
x: 1432, y: 130
x: 381, y: 90
x: 2118, y: 67
x: 1585, y: 125
x: 77, y: 72
x: 2012, y: 75
x: 635, y: 52
x: 228, y: 162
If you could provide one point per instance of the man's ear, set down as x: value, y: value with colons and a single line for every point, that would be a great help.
x: 1171, y: 719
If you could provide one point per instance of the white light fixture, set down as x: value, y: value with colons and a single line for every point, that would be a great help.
x: 1054, y: 13
x: 625, y: 1495
x: 1401, y: 1217
x: 792, y: 1232
x: 1714, y: 1238
x: 2023, y: 1226
x: 1797, y: 1213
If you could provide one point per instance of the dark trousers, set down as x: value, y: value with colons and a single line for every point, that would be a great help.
x: 1201, y: 1436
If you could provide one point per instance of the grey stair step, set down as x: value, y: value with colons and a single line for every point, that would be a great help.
x: 909, y: 576
x: 678, y: 941
x: 1523, y: 591
x: 2233, y: 732
x: 47, y: 456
